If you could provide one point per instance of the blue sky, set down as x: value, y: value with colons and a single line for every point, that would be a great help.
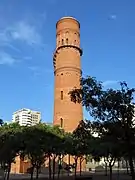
x: 27, y: 42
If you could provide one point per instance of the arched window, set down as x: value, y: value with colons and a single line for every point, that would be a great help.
x: 61, y: 122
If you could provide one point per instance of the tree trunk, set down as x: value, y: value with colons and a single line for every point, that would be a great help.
x: 105, y: 166
x: 37, y: 172
x: 69, y: 164
x: 110, y: 166
x: 130, y: 158
x: 80, y: 166
x: 32, y: 171
x: 105, y: 169
x: 54, y: 167
x: 5, y: 171
x: 75, y: 166
x: 118, y: 170
x: 81, y: 161
x: 8, y: 171
x: 59, y: 171
x: 5, y: 175
x: 127, y: 166
x: 131, y: 166
x: 75, y: 172
x: 60, y: 159
x: 129, y: 148
x: 50, y: 170
x: 59, y: 164
x: 134, y: 162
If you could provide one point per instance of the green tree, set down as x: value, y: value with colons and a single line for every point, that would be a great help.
x: 56, y: 147
x: 34, y: 139
x: 109, y: 146
x: 103, y: 145
x: 81, y: 137
x: 10, y: 144
x: 110, y: 105
x: 117, y: 106
x: 76, y: 145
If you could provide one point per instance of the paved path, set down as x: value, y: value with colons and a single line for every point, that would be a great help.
x: 96, y: 176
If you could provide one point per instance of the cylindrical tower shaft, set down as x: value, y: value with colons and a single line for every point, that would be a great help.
x: 67, y: 71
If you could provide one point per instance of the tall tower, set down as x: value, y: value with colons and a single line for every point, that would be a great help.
x: 67, y: 72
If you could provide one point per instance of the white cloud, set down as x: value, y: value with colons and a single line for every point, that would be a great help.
x: 25, y: 32
x: 27, y: 58
x: 37, y: 71
x: 6, y: 44
x: 109, y: 82
x: 113, y: 16
x: 21, y: 31
x: 3, y: 37
x: 33, y: 68
x: 6, y: 59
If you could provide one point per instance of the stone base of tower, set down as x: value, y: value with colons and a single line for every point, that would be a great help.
x: 81, y: 163
x: 20, y: 166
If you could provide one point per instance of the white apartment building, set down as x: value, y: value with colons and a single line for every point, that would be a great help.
x: 26, y: 117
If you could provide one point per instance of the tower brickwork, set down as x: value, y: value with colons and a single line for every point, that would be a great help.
x: 67, y: 72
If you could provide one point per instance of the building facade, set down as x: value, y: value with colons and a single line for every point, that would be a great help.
x: 26, y: 117
x: 67, y: 73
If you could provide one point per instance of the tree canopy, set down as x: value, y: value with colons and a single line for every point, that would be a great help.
x: 113, y: 112
x: 110, y: 136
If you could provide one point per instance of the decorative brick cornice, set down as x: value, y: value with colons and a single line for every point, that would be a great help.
x: 70, y: 46
x: 69, y: 68
x: 69, y: 30
x: 65, y: 46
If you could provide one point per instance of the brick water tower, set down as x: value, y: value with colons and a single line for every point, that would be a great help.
x: 67, y: 72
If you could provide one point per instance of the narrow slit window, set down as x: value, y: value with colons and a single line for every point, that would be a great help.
x: 61, y: 95
x: 61, y: 122
x: 67, y: 40
x: 62, y: 41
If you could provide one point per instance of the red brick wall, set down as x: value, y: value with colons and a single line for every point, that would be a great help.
x: 67, y: 73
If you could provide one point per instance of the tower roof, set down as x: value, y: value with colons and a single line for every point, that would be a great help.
x: 68, y: 17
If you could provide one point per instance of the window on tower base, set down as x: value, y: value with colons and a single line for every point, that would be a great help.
x: 61, y: 95
x: 61, y: 122
x: 62, y: 41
